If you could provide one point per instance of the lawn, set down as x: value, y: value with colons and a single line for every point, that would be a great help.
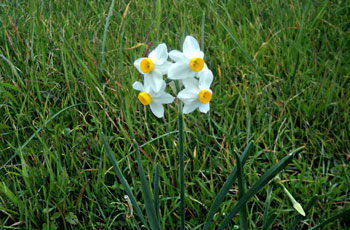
x: 281, y: 82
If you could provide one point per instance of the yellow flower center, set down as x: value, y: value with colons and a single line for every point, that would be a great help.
x: 196, y: 64
x: 144, y: 98
x: 204, y: 96
x: 146, y: 65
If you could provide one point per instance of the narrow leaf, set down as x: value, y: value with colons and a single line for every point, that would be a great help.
x: 330, y: 220
x: 269, y: 221
x: 122, y: 179
x: 270, y: 174
x: 156, y: 192
x: 151, y: 213
x: 243, y: 220
x: 226, y: 187
x: 267, y: 204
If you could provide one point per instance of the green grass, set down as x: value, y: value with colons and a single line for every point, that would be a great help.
x: 51, y: 58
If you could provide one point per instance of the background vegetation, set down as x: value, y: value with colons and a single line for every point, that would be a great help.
x: 59, y: 90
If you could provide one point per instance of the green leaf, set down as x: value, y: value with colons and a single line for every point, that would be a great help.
x: 330, y: 220
x: 151, y: 213
x: 243, y: 219
x: 122, y: 179
x: 269, y: 175
x: 269, y: 221
x: 226, y: 187
x: 156, y: 192
x: 267, y: 205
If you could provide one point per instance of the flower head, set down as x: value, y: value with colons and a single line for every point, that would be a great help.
x: 154, y: 66
x: 197, y: 94
x: 189, y: 62
x: 155, y: 100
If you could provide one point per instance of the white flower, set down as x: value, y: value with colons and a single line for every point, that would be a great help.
x: 155, y: 100
x: 187, y: 63
x: 154, y: 66
x: 197, y: 94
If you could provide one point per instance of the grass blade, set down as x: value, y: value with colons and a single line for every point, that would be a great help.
x: 105, y: 33
x: 151, y: 213
x: 267, y: 204
x: 182, y: 170
x: 243, y: 219
x: 37, y: 131
x: 237, y: 43
x: 270, y: 174
x: 156, y: 192
x: 269, y: 221
x: 122, y: 179
x: 330, y: 220
x: 225, y: 188
x: 300, y: 217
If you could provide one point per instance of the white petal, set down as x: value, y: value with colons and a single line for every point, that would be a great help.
x: 157, y: 109
x: 190, y: 107
x: 204, y: 108
x: 164, y: 98
x: 205, y: 79
x: 191, y: 83
x: 177, y: 56
x: 163, y: 68
x: 190, y: 45
x: 160, y: 91
x: 137, y: 64
x: 188, y: 95
x: 159, y: 55
x: 179, y: 71
x: 138, y: 86
x: 154, y: 80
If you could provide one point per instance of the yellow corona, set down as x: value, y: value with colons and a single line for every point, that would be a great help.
x: 146, y: 65
x: 145, y: 98
x: 196, y: 64
x: 204, y: 96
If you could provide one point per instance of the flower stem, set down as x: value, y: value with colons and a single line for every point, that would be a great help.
x: 182, y: 168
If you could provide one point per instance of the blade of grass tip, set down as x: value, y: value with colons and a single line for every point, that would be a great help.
x: 105, y: 34
x: 156, y: 192
x: 267, y: 204
x: 122, y: 179
x: 300, y: 217
x: 269, y: 221
x: 237, y: 43
x: 226, y: 187
x: 270, y: 174
x: 243, y: 220
x: 37, y: 131
x: 330, y: 220
x: 151, y: 213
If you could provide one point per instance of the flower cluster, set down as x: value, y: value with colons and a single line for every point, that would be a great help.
x: 187, y: 66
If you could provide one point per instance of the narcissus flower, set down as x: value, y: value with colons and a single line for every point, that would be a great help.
x: 197, y: 94
x: 155, y: 100
x: 154, y: 67
x: 188, y: 63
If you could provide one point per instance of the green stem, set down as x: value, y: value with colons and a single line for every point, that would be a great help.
x: 182, y: 168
